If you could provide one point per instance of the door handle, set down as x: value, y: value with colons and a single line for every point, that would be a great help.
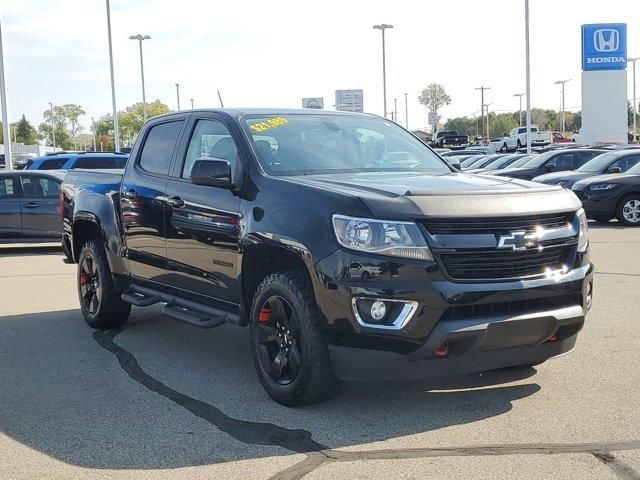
x: 31, y: 205
x: 175, y: 202
x: 131, y: 193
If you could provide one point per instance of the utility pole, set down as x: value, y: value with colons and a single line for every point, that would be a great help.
x: 53, y: 126
x: 482, y: 88
x: 95, y: 133
x: 520, y: 95
x: 562, y: 82
x: 635, y: 100
x: 116, y: 128
x: 395, y: 110
x: 220, y: 98
x: 140, y: 38
x: 382, y: 27
x: 178, y: 94
x: 406, y: 111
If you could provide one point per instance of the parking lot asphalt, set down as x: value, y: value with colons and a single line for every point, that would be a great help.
x: 160, y: 399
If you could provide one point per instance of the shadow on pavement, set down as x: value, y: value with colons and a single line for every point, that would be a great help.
x: 160, y: 394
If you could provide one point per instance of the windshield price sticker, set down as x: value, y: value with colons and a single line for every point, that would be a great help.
x: 268, y: 124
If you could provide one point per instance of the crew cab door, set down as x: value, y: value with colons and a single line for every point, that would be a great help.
x: 204, y: 221
x: 39, y: 206
x: 142, y: 199
x: 10, y: 223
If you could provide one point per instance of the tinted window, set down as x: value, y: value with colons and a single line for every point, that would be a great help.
x: 95, y: 162
x: 39, y: 187
x: 625, y: 163
x: 564, y: 160
x: 53, y: 164
x: 212, y: 139
x: 158, y: 147
x: 121, y: 162
x: 6, y: 188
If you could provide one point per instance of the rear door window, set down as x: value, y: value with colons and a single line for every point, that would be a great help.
x: 39, y: 187
x: 7, y: 189
x: 158, y: 147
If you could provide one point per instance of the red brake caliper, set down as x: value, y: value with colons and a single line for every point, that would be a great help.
x: 265, y: 315
x: 84, y: 278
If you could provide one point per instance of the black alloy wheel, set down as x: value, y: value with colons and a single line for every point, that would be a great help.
x: 279, y: 340
x: 90, y: 289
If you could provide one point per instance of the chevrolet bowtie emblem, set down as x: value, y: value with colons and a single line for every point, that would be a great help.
x: 518, y: 241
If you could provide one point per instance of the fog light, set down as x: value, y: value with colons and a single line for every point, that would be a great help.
x: 378, y: 310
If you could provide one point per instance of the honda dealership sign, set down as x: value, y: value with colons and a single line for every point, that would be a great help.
x: 604, y: 46
x: 604, y: 83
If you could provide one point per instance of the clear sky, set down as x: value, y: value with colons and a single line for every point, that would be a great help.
x: 273, y: 53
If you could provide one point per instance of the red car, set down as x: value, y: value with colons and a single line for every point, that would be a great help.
x: 559, y: 138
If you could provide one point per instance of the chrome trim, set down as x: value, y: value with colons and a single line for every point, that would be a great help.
x: 405, y: 315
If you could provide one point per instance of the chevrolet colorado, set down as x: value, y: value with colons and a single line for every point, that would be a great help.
x: 348, y: 247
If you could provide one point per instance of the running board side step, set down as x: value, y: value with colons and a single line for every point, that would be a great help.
x: 187, y: 311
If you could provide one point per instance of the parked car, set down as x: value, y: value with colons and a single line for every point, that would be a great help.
x: 465, y: 164
x: 552, y: 161
x: 69, y: 161
x: 459, y: 153
x: 609, y: 162
x: 517, y: 138
x: 218, y: 226
x: 512, y: 163
x: 29, y: 206
x: 557, y: 137
x: 479, y: 165
x: 498, y: 162
x: 612, y: 195
x: 498, y: 144
x: 450, y: 139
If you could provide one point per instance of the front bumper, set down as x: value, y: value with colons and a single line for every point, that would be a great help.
x: 486, y: 325
x: 598, y: 203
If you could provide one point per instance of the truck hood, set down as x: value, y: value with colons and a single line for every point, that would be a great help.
x: 415, y: 195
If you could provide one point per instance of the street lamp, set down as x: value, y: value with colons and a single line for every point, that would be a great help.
x: 382, y: 27
x: 53, y: 127
x: 635, y: 100
x: 95, y: 134
x: 520, y: 95
x: 178, y: 94
x: 395, y: 110
x: 140, y: 38
x: 116, y: 129
x: 406, y: 111
x: 562, y: 82
x: 486, y: 105
x: 8, y: 164
x: 527, y: 73
x: 192, y: 104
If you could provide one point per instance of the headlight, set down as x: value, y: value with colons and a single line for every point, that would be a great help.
x: 398, y: 239
x: 602, y: 186
x: 583, y: 238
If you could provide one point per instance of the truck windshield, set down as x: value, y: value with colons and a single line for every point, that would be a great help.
x: 302, y: 144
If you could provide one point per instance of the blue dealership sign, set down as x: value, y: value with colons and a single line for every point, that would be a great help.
x: 604, y: 46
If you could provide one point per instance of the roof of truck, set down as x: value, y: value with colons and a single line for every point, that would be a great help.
x: 236, y: 112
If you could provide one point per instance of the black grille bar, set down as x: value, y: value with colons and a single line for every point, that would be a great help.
x: 496, y: 225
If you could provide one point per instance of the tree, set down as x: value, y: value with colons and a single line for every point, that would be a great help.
x: 25, y: 132
x: 66, y: 119
x: 132, y: 119
x: 501, y: 123
x: 434, y: 97
x: 463, y: 125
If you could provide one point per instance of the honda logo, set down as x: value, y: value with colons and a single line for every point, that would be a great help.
x: 606, y: 40
x: 518, y: 241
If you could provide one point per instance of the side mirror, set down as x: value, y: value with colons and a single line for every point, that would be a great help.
x: 212, y: 172
x: 551, y: 168
x: 614, y: 170
x: 454, y: 162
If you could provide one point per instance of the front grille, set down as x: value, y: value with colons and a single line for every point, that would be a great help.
x: 496, y: 264
x: 518, y: 307
x: 496, y: 225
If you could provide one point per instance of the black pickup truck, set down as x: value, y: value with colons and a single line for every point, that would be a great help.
x: 350, y: 249
x: 450, y: 139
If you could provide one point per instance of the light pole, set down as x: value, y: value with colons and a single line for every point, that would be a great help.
x: 635, y: 100
x: 8, y: 164
x: 140, y: 38
x: 53, y: 127
x: 95, y: 134
x: 520, y: 95
x: 178, y: 94
x: 192, y: 104
x: 486, y: 105
x: 406, y: 111
x: 528, y: 73
x: 116, y: 128
x: 395, y: 110
x: 562, y: 82
x: 382, y: 27
x: 482, y: 88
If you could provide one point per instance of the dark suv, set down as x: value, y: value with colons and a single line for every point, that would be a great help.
x: 552, y: 161
x: 350, y: 249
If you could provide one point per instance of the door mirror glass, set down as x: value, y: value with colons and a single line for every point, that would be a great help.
x: 614, y: 170
x: 212, y: 172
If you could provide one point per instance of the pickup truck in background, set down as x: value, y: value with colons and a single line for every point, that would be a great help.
x: 450, y: 139
x: 517, y: 138
x: 348, y: 247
